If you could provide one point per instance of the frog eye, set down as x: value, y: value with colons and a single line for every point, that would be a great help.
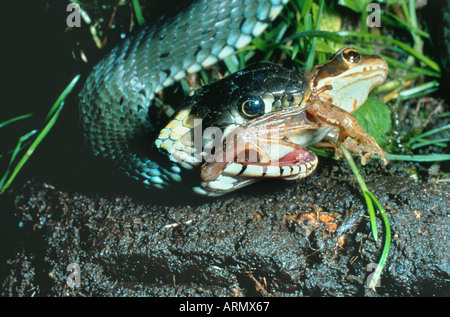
x: 351, y: 55
x: 251, y: 106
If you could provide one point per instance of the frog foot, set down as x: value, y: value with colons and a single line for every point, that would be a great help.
x: 365, y: 148
x: 329, y: 114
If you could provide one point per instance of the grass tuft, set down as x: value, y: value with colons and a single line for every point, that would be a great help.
x: 52, y: 116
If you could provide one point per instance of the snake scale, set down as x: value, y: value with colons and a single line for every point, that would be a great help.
x: 117, y: 100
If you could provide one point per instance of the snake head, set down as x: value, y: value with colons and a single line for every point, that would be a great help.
x: 243, y: 128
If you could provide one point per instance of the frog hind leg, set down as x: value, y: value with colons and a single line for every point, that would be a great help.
x: 329, y: 114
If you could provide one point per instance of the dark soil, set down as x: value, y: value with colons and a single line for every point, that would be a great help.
x: 255, y: 242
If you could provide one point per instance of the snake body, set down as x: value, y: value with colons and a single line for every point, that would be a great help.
x: 117, y: 101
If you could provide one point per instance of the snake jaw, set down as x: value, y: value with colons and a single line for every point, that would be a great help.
x: 265, y: 150
x: 222, y: 177
x: 292, y: 162
x: 270, y: 146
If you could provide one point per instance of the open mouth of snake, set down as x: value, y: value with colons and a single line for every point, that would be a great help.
x: 294, y: 158
x: 269, y: 147
x: 297, y: 163
x: 220, y: 177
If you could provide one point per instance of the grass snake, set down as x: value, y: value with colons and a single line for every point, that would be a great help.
x: 117, y: 100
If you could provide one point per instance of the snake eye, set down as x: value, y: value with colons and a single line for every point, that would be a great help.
x: 252, y: 106
x: 351, y: 55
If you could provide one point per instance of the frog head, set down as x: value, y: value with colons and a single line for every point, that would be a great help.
x: 347, y: 78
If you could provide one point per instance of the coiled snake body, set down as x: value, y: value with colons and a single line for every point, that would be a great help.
x: 119, y: 93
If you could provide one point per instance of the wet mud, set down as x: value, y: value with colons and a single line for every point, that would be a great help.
x: 311, y: 237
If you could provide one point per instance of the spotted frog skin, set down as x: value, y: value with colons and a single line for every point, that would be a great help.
x: 266, y: 116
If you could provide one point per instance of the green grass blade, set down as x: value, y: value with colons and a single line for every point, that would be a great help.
x: 312, y: 51
x: 436, y: 142
x: 16, y: 151
x: 393, y: 20
x: 405, y: 11
x: 364, y: 189
x: 333, y: 36
x: 62, y: 96
x: 343, y: 36
x: 55, y: 110
x: 421, y: 57
x: 306, y: 7
x: 416, y: 158
x: 9, y: 121
x: 371, y: 200
x: 387, y: 242
x: 419, y: 90
x: 398, y: 64
x: 431, y: 132
x: 138, y: 12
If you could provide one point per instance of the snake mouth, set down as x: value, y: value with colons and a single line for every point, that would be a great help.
x: 297, y: 163
x: 220, y: 177
x: 297, y: 157
x: 271, y: 146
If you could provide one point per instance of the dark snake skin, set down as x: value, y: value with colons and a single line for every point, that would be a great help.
x: 118, y: 94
